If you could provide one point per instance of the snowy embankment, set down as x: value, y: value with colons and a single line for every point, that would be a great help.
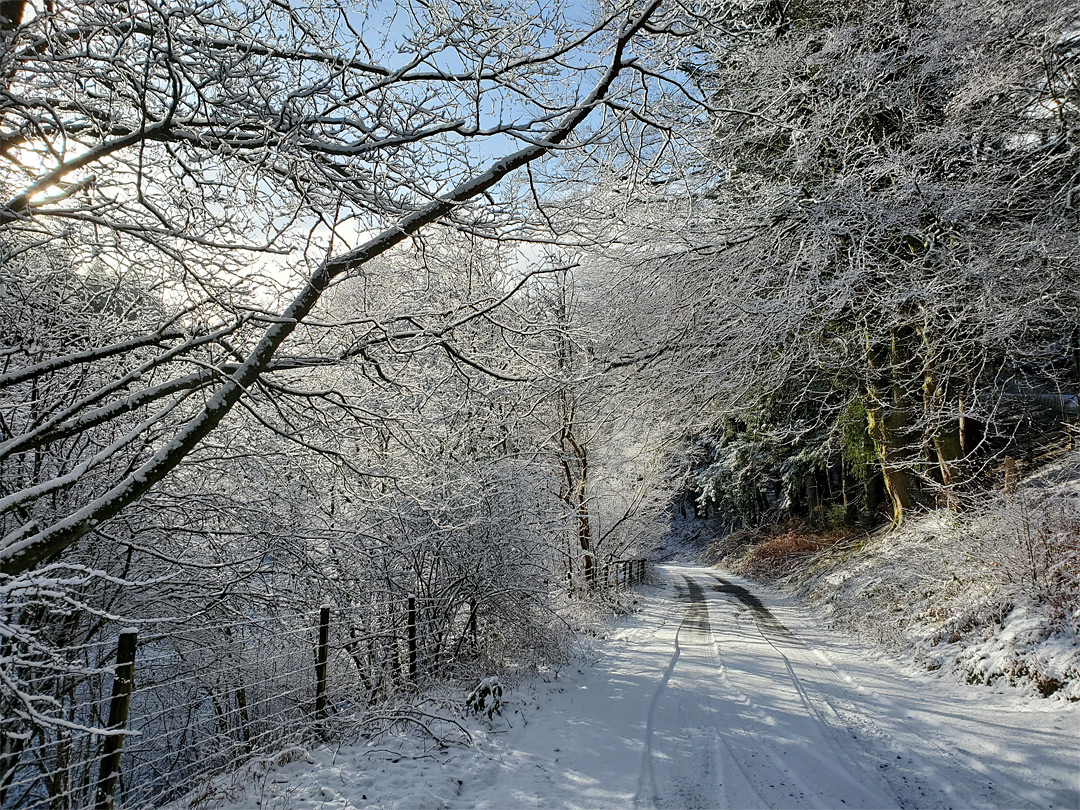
x: 991, y: 596
x: 715, y: 694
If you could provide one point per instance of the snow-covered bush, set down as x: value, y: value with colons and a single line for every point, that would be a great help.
x: 486, y: 699
x: 1032, y: 539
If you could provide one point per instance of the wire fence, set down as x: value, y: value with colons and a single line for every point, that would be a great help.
x: 143, y: 716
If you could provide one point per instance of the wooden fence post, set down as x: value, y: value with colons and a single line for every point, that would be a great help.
x: 322, y: 655
x: 411, y: 636
x: 123, y: 685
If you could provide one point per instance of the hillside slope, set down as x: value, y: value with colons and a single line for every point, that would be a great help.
x: 988, y: 596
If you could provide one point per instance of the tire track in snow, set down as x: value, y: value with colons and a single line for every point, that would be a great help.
x: 780, y: 765
x: 697, y: 622
x: 922, y: 753
x: 737, y: 771
x: 772, y: 630
x: 647, y: 777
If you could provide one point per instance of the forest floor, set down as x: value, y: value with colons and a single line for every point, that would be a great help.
x: 716, y: 693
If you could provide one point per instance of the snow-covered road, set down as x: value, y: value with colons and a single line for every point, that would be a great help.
x: 752, y: 714
x: 715, y: 695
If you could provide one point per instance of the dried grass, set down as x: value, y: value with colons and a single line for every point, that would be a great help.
x: 780, y: 550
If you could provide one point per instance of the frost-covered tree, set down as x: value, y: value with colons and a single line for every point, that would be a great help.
x: 237, y: 162
x: 607, y: 441
x: 894, y: 192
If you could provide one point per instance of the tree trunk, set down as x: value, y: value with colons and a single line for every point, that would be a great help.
x: 847, y: 491
x: 946, y: 428
x: 575, y: 465
x: 891, y: 428
x: 950, y: 455
x: 813, y: 498
x: 795, y: 502
x: 585, y: 532
x: 1076, y: 380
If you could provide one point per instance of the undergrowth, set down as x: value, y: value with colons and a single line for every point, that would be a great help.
x: 772, y: 552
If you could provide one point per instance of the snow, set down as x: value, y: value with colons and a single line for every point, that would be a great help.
x: 950, y: 601
x: 987, y: 595
x: 717, y: 693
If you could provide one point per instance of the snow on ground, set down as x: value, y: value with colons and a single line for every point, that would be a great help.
x: 718, y: 693
x: 951, y: 600
x: 990, y: 595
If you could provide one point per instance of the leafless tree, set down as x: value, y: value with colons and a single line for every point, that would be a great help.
x: 236, y: 163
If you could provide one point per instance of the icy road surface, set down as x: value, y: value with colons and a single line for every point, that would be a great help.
x: 719, y: 695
